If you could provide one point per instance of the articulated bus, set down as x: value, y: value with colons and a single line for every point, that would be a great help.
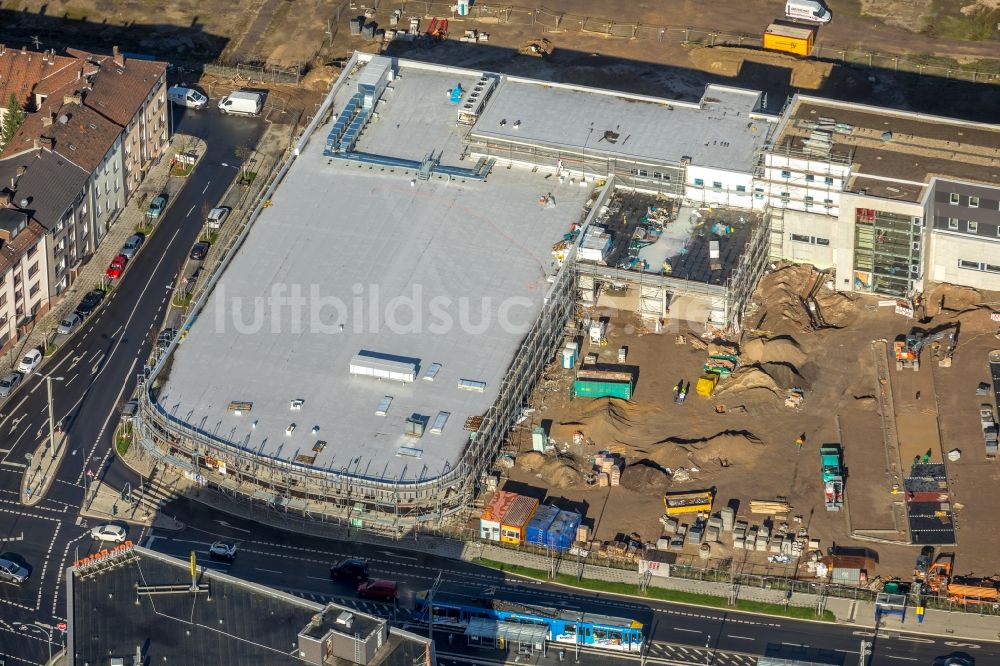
x: 564, y: 626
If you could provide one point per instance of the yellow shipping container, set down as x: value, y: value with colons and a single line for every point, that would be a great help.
x: 797, y: 40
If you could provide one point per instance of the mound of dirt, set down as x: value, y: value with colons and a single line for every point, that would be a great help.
x: 532, y: 460
x: 727, y: 448
x: 645, y: 476
x: 320, y: 78
x: 838, y: 309
x: 785, y: 375
x: 607, y: 420
x: 782, y: 349
x: 558, y: 474
x: 951, y: 298
x: 749, y: 378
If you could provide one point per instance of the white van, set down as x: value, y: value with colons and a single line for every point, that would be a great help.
x: 242, y: 103
x: 807, y: 10
x: 188, y: 97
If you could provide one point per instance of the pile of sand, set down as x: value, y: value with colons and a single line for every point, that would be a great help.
x: 782, y: 349
x: 320, y: 78
x: 838, y: 309
x: 750, y: 384
x: 725, y: 449
x: 532, y: 460
x: 866, y: 402
x: 606, y: 421
x: 645, y: 476
x: 780, y: 294
x: 556, y: 472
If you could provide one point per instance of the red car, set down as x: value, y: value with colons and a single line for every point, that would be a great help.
x: 380, y: 590
x: 117, y: 267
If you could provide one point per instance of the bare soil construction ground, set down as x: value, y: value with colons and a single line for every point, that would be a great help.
x: 749, y: 452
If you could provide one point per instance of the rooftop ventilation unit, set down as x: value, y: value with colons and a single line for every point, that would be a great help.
x: 383, y: 366
x: 345, y: 619
x: 481, y: 93
x: 415, y: 425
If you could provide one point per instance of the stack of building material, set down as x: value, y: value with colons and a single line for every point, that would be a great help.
x: 740, y: 535
x: 616, y: 476
x: 356, y: 24
x: 582, y: 533
x: 769, y: 507
x: 727, y: 515
x: 603, y: 480
x: 763, y: 537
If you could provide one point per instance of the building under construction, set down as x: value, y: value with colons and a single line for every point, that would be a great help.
x: 366, y: 346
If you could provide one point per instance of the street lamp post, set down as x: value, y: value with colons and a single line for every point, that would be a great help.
x: 52, y: 424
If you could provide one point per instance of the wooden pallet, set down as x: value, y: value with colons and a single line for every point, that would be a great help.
x: 473, y: 423
x: 240, y: 406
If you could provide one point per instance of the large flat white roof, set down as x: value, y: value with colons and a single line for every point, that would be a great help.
x: 385, y: 245
x: 723, y: 131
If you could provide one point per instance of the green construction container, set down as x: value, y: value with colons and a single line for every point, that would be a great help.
x: 585, y: 388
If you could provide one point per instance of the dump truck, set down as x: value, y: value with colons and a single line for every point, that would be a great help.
x: 696, y: 501
x: 833, y: 476
x: 789, y: 38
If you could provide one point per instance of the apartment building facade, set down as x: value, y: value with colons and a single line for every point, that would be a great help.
x: 23, y: 273
x: 95, y: 128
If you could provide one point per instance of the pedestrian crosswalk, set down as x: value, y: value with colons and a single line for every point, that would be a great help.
x: 375, y: 608
x: 693, y: 655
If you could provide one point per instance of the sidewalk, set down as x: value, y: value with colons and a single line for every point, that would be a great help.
x: 42, y: 469
x: 158, y: 180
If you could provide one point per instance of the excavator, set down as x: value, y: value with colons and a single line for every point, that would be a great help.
x: 942, y: 342
x: 939, y: 575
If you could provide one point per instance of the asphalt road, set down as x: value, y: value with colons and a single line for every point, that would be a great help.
x: 99, y: 364
x: 300, y: 564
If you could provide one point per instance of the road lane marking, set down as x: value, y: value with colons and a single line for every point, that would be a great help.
x: 914, y: 639
x: 189, y: 212
x: 892, y: 656
x: 70, y: 380
x: 318, y: 577
x: 690, y: 631
x: 206, y: 187
x: 100, y: 434
x: 742, y: 638
x: 267, y: 570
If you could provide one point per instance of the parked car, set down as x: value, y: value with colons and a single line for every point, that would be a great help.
x: 30, y: 362
x: 12, y: 571
x: 350, y: 570
x: 117, y: 267
x: 132, y: 245
x: 130, y: 408
x: 89, y: 302
x: 217, y: 216
x: 378, y: 589
x: 188, y: 97
x: 108, y: 532
x: 242, y: 103
x: 69, y: 323
x: 156, y: 206
x: 8, y: 383
x: 200, y: 250
x: 222, y: 552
